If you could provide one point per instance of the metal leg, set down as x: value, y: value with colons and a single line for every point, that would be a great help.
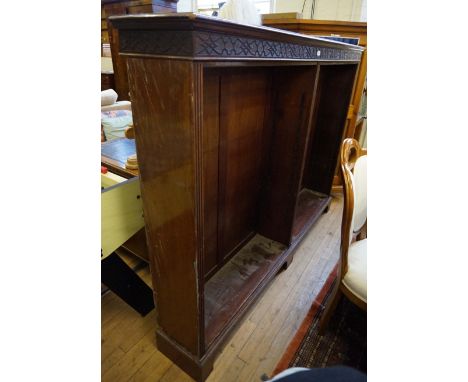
x: 126, y: 284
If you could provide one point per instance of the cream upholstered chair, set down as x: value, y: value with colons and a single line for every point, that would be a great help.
x: 352, y: 272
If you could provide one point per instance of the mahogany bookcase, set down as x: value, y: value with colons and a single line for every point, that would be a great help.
x: 238, y: 130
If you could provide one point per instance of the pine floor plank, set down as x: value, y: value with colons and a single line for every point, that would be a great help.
x: 132, y: 361
x: 129, y: 352
x: 233, y: 370
x: 174, y: 374
x: 111, y: 307
x: 115, y: 333
x: 112, y: 359
x: 221, y: 369
x: 153, y: 369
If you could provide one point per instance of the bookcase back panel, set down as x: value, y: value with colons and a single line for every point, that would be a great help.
x: 234, y: 111
x: 244, y: 95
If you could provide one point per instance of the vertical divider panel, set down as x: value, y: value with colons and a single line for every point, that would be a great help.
x: 293, y: 89
x: 310, y: 134
x: 335, y: 89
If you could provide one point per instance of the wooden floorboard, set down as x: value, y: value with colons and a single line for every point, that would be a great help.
x: 128, y: 341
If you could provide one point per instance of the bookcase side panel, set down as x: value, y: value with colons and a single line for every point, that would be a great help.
x: 162, y: 93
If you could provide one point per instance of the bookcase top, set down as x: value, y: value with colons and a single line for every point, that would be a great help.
x: 202, y: 37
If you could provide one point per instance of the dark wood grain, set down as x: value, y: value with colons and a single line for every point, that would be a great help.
x: 214, y: 37
x: 336, y: 85
x: 244, y: 94
x: 310, y: 205
x: 233, y: 147
x: 107, y: 81
x: 229, y: 288
x: 166, y: 149
x: 334, y: 28
x: 343, y: 29
x: 292, y: 95
x: 111, y: 34
x: 211, y: 96
x: 119, y: 64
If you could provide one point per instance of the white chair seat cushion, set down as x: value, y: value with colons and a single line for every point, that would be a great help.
x: 356, y: 276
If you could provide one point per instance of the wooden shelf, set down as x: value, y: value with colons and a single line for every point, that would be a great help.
x: 231, y: 286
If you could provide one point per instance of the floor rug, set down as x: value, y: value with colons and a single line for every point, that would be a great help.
x: 343, y: 343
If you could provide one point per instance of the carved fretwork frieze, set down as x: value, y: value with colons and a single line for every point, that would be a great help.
x: 220, y: 45
x: 200, y: 44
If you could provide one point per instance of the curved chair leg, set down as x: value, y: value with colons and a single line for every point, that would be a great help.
x: 330, y: 307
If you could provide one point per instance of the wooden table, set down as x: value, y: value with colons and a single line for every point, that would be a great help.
x: 114, y: 154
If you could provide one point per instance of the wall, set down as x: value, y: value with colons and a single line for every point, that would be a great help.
x: 284, y: 6
x: 345, y: 10
x: 185, y: 5
x: 364, y: 10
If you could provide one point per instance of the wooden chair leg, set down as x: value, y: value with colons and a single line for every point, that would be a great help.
x: 330, y: 307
